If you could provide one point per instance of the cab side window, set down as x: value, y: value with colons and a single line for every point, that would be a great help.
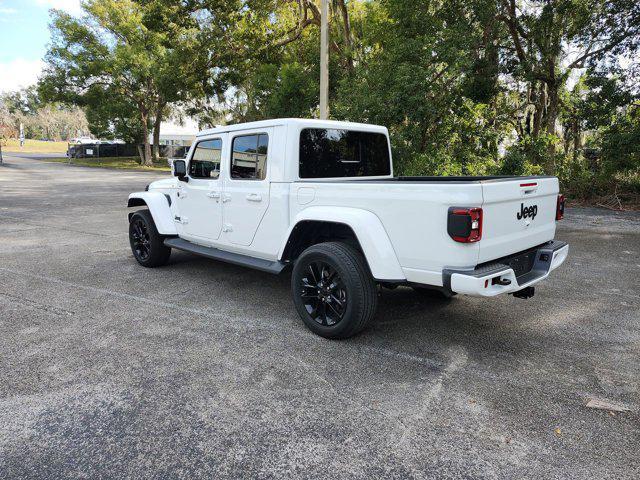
x: 205, y: 162
x: 249, y: 157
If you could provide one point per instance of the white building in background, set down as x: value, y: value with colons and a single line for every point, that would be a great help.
x: 172, y: 133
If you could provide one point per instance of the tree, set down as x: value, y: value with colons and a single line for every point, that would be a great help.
x: 111, y: 116
x: 552, y: 38
x: 146, y: 54
x: 465, y: 86
x: 621, y: 143
x: 7, y: 126
x: 39, y: 119
x: 428, y: 72
x: 25, y: 100
x: 307, y: 14
x: 101, y: 53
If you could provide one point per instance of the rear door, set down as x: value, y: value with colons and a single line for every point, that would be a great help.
x: 518, y: 213
x: 246, y: 188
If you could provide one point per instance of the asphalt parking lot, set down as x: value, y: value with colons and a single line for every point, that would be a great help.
x: 203, y: 369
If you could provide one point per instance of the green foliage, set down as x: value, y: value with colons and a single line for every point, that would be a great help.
x: 286, y: 90
x: 528, y: 156
x: 139, y: 56
x: 604, y: 95
x: 621, y: 143
x: 422, y: 96
x: 24, y: 101
x: 111, y: 116
x: 577, y: 179
x: 611, y: 161
x: 107, y: 56
x: 465, y: 87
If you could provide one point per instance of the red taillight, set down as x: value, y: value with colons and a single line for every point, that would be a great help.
x: 560, y: 207
x: 464, y: 225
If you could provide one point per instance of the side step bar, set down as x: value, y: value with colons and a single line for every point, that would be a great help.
x: 269, y: 266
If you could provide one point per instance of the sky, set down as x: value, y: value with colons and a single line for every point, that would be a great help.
x: 24, y: 35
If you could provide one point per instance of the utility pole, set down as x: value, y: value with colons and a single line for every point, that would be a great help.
x: 324, y: 59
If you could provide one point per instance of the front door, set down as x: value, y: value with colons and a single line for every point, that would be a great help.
x: 200, y: 199
x: 246, y: 191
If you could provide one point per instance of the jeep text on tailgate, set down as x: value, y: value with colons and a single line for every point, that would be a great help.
x: 319, y: 198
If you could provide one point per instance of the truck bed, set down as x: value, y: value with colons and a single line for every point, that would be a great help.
x: 414, y: 212
x: 452, y: 179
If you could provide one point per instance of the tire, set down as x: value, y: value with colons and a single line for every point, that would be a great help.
x: 347, y: 296
x: 147, y: 244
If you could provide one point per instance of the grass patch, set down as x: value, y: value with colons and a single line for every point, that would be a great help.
x: 125, y: 163
x: 33, y: 146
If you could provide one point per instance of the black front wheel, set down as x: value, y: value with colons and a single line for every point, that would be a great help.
x: 147, y: 244
x: 333, y: 290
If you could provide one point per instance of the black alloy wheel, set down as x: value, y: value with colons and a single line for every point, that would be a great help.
x: 140, y: 241
x: 323, y: 293
x: 147, y: 245
x: 333, y: 290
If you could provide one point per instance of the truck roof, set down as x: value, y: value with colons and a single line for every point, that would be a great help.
x: 299, y: 122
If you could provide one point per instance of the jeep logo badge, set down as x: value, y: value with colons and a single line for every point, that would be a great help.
x: 525, y: 212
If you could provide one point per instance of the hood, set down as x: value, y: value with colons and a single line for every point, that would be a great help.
x: 164, y: 183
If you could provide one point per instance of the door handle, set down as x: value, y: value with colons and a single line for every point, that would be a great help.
x: 213, y: 194
x: 254, y: 197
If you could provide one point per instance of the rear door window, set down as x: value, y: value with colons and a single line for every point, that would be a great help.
x: 249, y: 157
x: 332, y: 153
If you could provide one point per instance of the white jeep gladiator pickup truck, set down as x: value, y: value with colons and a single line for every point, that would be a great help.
x: 320, y: 197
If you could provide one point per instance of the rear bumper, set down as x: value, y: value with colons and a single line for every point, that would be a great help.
x: 499, y: 276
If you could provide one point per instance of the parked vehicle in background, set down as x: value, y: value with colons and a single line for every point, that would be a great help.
x: 319, y: 198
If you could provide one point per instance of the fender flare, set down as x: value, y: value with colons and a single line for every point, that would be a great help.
x: 159, y: 207
x: 369, y: 231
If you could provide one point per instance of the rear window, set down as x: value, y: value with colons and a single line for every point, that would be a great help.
x: 331, y: 153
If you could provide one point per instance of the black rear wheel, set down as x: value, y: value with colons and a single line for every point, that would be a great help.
x: 323, y: 293
x: 333, y: 290
x: 147, y: 244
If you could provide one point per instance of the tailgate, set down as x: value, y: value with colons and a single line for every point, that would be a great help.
x: 518, y: 214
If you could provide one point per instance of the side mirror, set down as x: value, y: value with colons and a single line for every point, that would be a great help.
x: 180, y: 170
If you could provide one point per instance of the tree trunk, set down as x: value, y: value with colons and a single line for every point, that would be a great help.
x: 552, y: 115
x: 567, y: 139
x: 577, y: 139
x: 527, y: 122
x: 147, y: 161
x: 552, y: 110
x: 141, y: 153
x: 539, y: 102
x: 156, y: 132
x: 156, y: 141
x: 346, y: 28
